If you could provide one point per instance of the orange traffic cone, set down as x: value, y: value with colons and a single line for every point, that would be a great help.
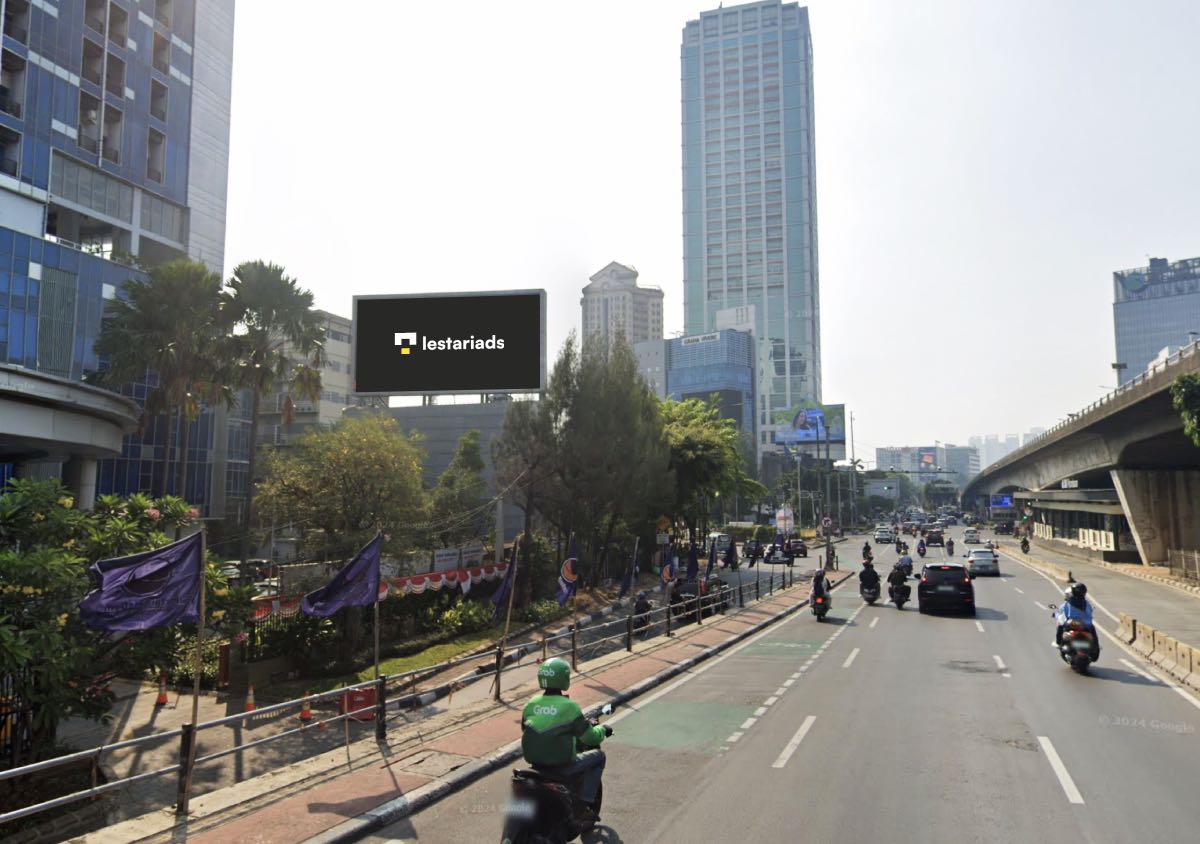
x: 305, y: 710
x: 161, y: 700
x: 250, y: 707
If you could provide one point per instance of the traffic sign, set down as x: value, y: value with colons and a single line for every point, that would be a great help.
x: 663, y: 538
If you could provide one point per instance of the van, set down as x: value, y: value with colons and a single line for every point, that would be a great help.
x: 970, y: 536
x: 723, y: 541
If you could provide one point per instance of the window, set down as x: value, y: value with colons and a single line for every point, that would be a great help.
x: 12, y: 83
x: 89, y: 123
x: 118, y: 25
x: 93, y: 15
x: 16, y: 20
x: 158, y: 100
x: 93, y: 62
x: 110, y: 146
x: 156, y: 147
x: 162, y: 11
x: 162, y: 54
x: 114, y: 82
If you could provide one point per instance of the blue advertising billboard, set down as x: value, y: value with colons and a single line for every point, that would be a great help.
x: 1002, y: 500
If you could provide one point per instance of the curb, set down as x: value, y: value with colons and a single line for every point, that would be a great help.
x: 400, y: 808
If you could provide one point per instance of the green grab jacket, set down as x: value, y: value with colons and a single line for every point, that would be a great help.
x: 553, y: 729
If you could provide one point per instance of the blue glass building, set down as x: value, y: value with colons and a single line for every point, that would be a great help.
x: 720, y: 362
x: 749, y: 189
x: 114, y: 145
x: 1154, y: 307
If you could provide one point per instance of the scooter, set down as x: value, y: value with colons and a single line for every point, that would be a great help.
x: 820, y: 606
x: 542, y: 808
x: 870, y: 594
x: 1025, y: 546
x: 899, y: 593
x: 920, y: 550
x: 1076, y: 645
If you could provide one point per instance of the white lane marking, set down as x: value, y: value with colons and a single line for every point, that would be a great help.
x: 1001, y: 667
x: 771, y: 701
x: 758, y: 713
x: 735, y: 737
x: 1022, y: 591
x: 1060, y: 771
x: 850, y: 658
x: 795, y: 676
x: 1137, y: 670
x: 1190, y: 698
x: 874, y: 621
x: 979, y: 626
x: 747, y: 724
x: 1042, y: 606
x: 791, y: 746
x: 780, y: 691
x: 787, y: 684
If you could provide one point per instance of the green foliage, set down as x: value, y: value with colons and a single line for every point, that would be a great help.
x: 46, y: 546
x: 456, y: 503
x: 1185, y: 396
x: 465, y: 617
x: 542, y: 611
x: 347, y: 482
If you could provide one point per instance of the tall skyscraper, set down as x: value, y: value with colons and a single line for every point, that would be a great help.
x: 613, y: 305
x: 114, y: 145
x: 749, y: 189
x: 1154, y: 307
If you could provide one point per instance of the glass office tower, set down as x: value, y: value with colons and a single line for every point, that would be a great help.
x: 749, y: 190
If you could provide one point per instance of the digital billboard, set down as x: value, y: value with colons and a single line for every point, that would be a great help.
x: 927, y: 466
x: 1002, y: 500
x: 433, y: 343
x: 809, y: 422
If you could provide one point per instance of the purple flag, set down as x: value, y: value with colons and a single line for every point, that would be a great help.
x: 355, y: 585
x: 567, y: 576
x: 152, y: 589
x: 627, y: 579
x: 712, y: 560
x: 505, y: 585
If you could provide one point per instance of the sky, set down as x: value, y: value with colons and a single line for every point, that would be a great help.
x: 982, y: 169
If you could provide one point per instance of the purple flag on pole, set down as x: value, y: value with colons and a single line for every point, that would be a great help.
x: 152, y: 589
x: 500, y: 594
x: 355, y: 585
x: 712, y: 560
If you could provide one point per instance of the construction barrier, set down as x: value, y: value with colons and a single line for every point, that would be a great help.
x: 1160, y: 652
x: 1170, y: 654
x: 250, y: 704
x: 1185, y: 657
x: 359, y: 699
x: 1144, y: 643
x: 1125, y: 628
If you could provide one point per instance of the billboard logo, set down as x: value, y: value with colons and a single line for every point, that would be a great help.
x: 406, y: 340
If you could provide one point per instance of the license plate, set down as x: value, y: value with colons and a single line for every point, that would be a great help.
x: 521, y: 809
x: 947, y: 589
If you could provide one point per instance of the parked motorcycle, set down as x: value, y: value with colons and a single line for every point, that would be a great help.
x: 1076, y: 646
x: 542, y: 808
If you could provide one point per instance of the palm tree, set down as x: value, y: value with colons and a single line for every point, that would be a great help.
x: 280, y: 340
x: 173, y: 324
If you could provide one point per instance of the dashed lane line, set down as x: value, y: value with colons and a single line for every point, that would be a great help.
x: 979, y: 626
x: 1060, y: 771
x: 791, y: 746
x: 850, y: 658
x: 874, y: 621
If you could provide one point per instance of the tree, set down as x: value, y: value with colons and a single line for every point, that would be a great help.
x: 1185, y: 396
x: 279, y: 342
x: 172, y: 323
x: 55, y: 665
x: 456, y: 504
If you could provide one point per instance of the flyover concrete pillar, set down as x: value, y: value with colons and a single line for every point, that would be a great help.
x: 1160, y: 505
x: 79, y: 475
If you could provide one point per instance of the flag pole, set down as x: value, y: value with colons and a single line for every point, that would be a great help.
x: 508, y: 618
x: 191, y: 760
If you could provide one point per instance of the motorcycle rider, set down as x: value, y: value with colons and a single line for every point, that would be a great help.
x: 866, y: 550
x: 868, y: 578
x: 1025, y: 544
x: 899, y: 545
x: 905, y: 564
x: 896, y: 577
x: 554, y: 729
x: 641, y: 614
x: 821, y: 587
x: 1076, y: 607
x: 921, y: 547
x: 949, y: 547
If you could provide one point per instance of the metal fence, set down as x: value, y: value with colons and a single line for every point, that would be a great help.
x: 16, y: 718
x: 398, y: 692
x: 1184, y: 563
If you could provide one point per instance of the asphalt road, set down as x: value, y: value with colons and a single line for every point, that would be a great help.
x: 891, y: 725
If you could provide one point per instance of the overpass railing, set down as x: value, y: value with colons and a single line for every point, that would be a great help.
x: 1151, y: 373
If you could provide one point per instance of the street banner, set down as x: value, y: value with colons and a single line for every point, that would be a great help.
x: 567, y: 576
x: 143, y: 591
x: 355, y: 585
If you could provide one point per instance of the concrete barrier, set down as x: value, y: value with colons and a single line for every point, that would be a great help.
x: 1161, y: 648
x: 1144, y: 643
x: 1193, y: 679
x: 1185, y: 657
x: 1125, y: 628
x: 1170, y: 654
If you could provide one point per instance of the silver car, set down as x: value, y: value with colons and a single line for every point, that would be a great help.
x: 983, y: 561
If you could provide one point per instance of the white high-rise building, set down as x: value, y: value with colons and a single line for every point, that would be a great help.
x: 613, y: 305
x: 749, y: 190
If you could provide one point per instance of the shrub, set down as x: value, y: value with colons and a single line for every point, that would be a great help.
x: 540, y: 612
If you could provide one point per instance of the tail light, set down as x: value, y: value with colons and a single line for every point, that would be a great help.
x: 820, y: 600
x: 967, y: 580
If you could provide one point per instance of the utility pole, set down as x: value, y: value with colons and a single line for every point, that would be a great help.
x: 853, y: 476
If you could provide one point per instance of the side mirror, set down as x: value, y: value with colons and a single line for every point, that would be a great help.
x: 1052, y: 606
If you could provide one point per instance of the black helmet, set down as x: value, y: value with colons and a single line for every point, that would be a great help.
x: 1079, y: 590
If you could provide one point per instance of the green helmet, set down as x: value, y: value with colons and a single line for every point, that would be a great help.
x: 555, y: 674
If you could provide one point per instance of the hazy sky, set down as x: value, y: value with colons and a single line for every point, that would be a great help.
x: 982, y: 168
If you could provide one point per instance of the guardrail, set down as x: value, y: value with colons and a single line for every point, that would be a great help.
x: 579, y: 641
x: 1184, y: 563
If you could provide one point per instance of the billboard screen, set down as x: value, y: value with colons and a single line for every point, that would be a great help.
x: 424, y: 344
x: 1002, y: 500
x: 809, y: 422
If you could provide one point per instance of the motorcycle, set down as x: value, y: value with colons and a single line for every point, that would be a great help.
x: 899, y: 594
x: 542, y: 808
x: 1025, y: 546
x: 820, y: 606
x: 920, y: 550
x: 1076, y: 645
x: 949, y: 547
x: 870, y: 594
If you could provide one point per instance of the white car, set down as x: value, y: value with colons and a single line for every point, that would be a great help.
x: 983, y: 561
x: 970, y: 536
x: 884, y: 535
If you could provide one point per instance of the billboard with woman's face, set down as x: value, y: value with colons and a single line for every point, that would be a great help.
x: 809, y: 422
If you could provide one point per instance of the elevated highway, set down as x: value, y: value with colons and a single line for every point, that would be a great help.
x: 1131, y: 442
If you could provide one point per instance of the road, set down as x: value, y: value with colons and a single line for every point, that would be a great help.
x: 887, y: 725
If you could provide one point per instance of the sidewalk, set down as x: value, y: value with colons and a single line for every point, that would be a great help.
x: 1124, y: 588
x: 423, y: 760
